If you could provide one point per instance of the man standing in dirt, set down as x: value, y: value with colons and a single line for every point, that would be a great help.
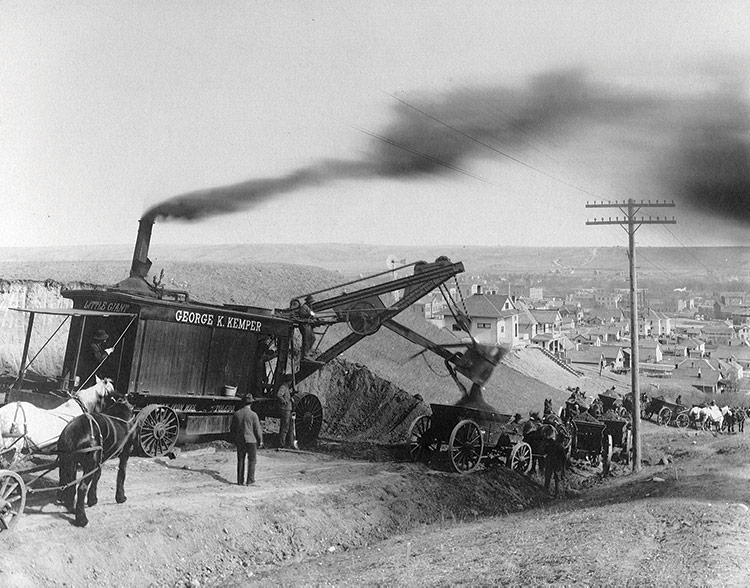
x: 286, y: 429
x: 246, y: 434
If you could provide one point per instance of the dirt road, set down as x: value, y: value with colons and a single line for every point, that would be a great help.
x: 374, y: 518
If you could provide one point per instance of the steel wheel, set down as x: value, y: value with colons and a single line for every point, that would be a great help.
x: 627, y: 450
x: 521, y: 458
x: 466, y: 446
x: 682, y: 420
x: 308, y: 419
x: 12, y: 498
x: 158, y: 430
x: 422, y: 443
x: 664, y: 416
x: 606, y: 453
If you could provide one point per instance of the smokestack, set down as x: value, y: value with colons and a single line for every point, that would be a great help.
x: 141, y: 264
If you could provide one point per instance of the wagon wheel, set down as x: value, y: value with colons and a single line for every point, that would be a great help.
x: 466, y: 446
x: 646, y: 414
x: 308, y: 419
x: 12, y: 498
x: 627, y: 449
x: 422, y: 443
x: 682, y: 420
x: 623, y: 412
x: 664, y: 416
x: 606, y: 454
x: 521, y: 458
x: 158, y: 429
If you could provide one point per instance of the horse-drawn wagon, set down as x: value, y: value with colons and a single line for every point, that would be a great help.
x: 618, y: 429
x: 591, y: 441
x: 36, y: 441
x: 668, y: 412
x: 612, y: 401
x: 471, y: 435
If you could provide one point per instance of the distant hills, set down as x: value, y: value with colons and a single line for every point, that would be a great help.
x: 353, y: 259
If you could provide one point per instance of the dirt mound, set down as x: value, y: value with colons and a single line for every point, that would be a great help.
x: 358, y: 405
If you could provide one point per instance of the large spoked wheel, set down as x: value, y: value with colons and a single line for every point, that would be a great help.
x: 158, y: 430
x: 308, y: 419
x: 664, y: 416
x: 466, y: 446
x: 627, y: 450
x: 422, y: 443
x: 606, y: 454
x: 682, y: 420
x: 12, y: 499
x: 521, y: 458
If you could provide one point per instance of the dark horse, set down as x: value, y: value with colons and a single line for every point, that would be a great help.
x: 88, y: 441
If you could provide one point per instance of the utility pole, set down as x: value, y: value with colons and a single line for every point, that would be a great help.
x: 631, y: 223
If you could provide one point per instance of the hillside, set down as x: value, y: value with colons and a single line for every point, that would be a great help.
x: 352, y: 259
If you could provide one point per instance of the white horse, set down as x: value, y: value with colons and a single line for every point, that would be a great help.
x: 713, y: 417
x: 28, y: 428
x: 697, y: 416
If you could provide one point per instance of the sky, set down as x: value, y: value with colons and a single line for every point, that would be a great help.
x: 385, y: 123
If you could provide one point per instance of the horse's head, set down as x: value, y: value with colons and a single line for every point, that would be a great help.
x: 120, y: 409
x: 94, y: 398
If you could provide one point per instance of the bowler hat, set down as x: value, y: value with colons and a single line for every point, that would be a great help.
x: 101, y: 335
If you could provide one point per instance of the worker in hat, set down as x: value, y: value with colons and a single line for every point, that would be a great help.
x: 246, y: 434
x: 287, y: 438
x: 97, y: 360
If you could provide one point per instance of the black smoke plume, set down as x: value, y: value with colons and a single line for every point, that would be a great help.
x: 705, y: 165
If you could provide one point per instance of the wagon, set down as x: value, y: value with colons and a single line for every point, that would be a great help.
x: 668, y: 412
x: 471, y: 435
x: 21, y: 469
x: 591, y: 441
x: 620, y: 433
x: 614, y: 403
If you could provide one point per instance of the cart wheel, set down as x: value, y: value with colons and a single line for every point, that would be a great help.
x: 521, y: 458
x: 466, y: 446
x: 606, y: 454
x: 664, y: 416
x: 308, y: 419
x: 12, y: 498
x: 158, y: 429
x: 627, y: 450
x: 682, y: 420
x: 422, y: 443
x: 623, y: 412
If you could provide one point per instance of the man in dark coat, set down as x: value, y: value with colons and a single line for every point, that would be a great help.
x: 246, y: 434
x: 97, y: 356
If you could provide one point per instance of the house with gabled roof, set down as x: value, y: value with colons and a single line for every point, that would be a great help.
x: 614, y: 358
x: 493, y: 319
x: 695, y: 347
x: 717, y: 334
x: 661, y: 324
x: 586, y: 339
x: 527, y: 324
x: 741, y: 355
x: 591, y: 356
x: 649, y: 351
